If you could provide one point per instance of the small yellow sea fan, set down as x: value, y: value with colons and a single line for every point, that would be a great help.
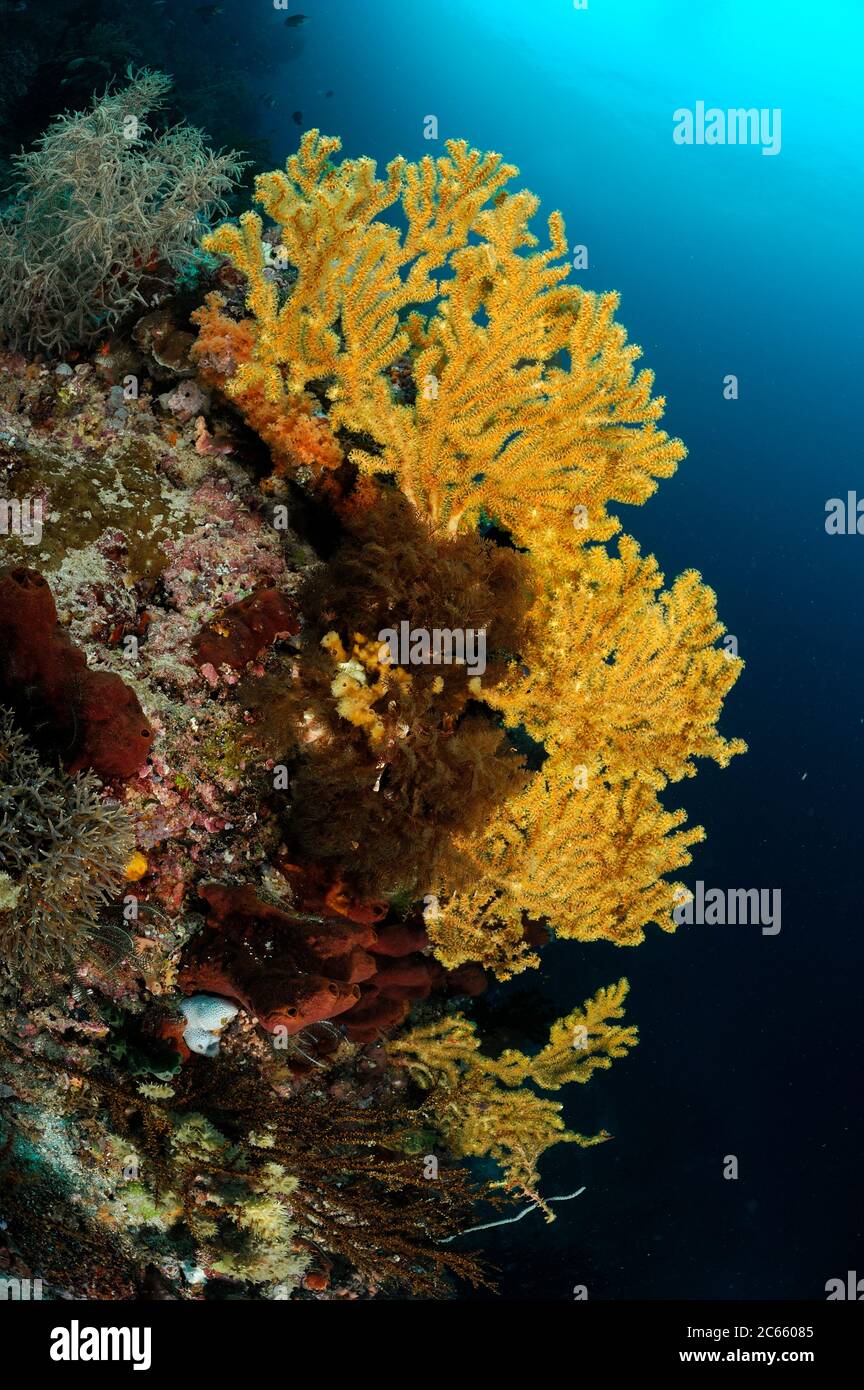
x: 486, y: 1107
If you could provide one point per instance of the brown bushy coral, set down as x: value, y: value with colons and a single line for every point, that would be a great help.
x: 390, y: 565
x: 63, y: 852
x: 386, y: 763
x: 328, y: 1177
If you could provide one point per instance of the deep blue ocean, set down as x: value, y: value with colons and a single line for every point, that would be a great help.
x: 729, y: 261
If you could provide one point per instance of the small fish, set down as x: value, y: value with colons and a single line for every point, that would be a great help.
x: 329, y: 93
x: 208, y: 12
x: 297, y: 117
x: 295, y: 20
x: 270, y: 102
x: 83, y: 62
x: 76, y: 63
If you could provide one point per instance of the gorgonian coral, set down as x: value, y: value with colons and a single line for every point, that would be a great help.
x: 511, y: 403
x: 622, y: 684
x: 482, y: 1106
x: 63, y: 852
x: 525, y: 402
x: 101, y: 204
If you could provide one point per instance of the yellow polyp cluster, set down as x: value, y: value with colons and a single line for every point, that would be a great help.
x: 361, y: 680
x: 484, y: 1107
x: 136, y: 868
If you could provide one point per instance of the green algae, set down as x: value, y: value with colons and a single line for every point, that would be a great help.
x: 90, y: 494
x: 225, y: 753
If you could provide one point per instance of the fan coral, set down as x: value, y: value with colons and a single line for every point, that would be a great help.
x: 516, y: 406
x: 93, y: 719
x: 481, y: 1104
x: 623, y: 677
x: 525, y: 402
x: 63, y: 851
x: 622, y: 686
x: 101, y: 206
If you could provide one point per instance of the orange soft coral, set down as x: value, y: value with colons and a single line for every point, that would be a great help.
x: 296, y: 435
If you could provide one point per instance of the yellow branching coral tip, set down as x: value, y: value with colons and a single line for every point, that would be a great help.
x: 485, y: 1106
x: 136, y: 868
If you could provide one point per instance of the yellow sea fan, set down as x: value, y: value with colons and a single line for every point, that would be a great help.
x: 584, y: 1041
x: 591, y: 861
x: 485, y: 1106
x: 527, y: 410
x: 622, y: 676
x: 527, y: 404
x: 514, y: 1129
